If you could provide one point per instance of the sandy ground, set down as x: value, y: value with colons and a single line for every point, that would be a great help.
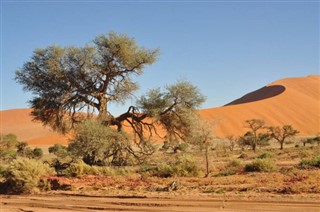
x: 68, y: 203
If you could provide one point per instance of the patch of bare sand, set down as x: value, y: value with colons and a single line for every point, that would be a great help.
x: 68, y: 203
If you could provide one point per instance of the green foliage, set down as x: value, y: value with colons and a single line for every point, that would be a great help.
x: 183, y: 167
x: 8, y: 146
x: 59, y: 150
x: 235, y: 165
x: 225, y: 173
x: 24, y: 151
x: 231, y: 168
x: 266, y: 155
x: 251, y: 140
x: 3, y: 170
x: 281, y: 134
x: 37, y: 153
x: 314, y: 162
x: 96, y: 143
x: 80, y: 168
x: 26, y: 175
x: 254, y: 137
x: 311, y: 141
x: 260, y: 165
x: 68, y: 80
x: 174, y: 109
x: 65, y: 80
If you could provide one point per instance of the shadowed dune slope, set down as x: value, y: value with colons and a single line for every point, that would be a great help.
x: 294, y: 101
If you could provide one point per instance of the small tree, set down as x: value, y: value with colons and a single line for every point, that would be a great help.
x: 59, y: 150
x: 232, y: 140
x: 281, y: 134
x: 254, y: 137
x: 201, y: 135
x: 95, y: 143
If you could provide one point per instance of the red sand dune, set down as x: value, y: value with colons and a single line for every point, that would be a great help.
x: 19, y: 122
x: 294, y: 101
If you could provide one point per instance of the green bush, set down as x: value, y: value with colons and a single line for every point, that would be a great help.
x: 265, y: 155
x: 3, y: 171
x: 80, y: 168
x: 37, y: 153
x: 59, y: 150
x: 225, y: 173
x: 311, y: 163
x: 184, y: 167
x: 26, y: 175
x: 260, y: 165
x: 234, y: 165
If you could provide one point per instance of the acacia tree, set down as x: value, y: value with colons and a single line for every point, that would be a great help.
x: 68, y: 81
x: 232, y: 140
x: 281, y: 134
x: 201, y: 135
x: 254, y: 136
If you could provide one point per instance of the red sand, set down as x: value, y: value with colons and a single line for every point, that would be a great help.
x: 294, y: 101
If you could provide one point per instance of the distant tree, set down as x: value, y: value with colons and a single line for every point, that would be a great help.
x: 254, y: 137
x: 37, y: 153
x: 232, y: 141
x: 281, y: 134
x: 22, y: 148
x: 69, y: 81
x: 311, y: 140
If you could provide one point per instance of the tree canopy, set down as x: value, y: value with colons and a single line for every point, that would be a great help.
x: 71, y: 84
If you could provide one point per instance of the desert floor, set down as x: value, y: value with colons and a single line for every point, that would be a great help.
x: 69, y: 202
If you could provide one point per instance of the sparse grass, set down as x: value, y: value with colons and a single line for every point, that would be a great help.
x: 266, y: 155
x: 313, y: 162
x: 260, y: 165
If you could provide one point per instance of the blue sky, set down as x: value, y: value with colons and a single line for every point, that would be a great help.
x: 226, y: 48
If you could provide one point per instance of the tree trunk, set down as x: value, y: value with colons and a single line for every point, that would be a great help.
x: 281, y: 145
x: 207, y: 160
x: 254, y: 146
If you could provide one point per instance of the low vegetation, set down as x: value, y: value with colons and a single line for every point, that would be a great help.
x: 26, y: 176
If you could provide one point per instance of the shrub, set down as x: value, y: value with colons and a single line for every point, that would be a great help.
x: 3, y: 171
x: 59, y: 150
x: 235, y: 165
x: 310, y: 163
x: 225, y: 173
x: 164, y: 170
x: 265, y: 155
x: 184, y: 167
x: 260, y: 165
x: 37, y: 153
x: 78, y: 169
x: 26, y: 175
